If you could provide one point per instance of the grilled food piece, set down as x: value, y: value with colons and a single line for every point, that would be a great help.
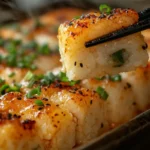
x: 121, y: 55
x: 45, y: 124
x: 74, y: 114
x: 84, y: 104
x: 128, y: 94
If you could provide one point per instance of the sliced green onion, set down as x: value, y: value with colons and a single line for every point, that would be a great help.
x: 37, y: 23
x: 31, y: 45
x: 105, y: 9
x: 2, y: 81
x: 13, y: 89
x: 72, y: 83
x: 11, y: 74
x: 39, y: 102
x: 35, y: 91
x: 63, y: 77
x: 76, y: 17
x: 100, y: 78
x: 44, y: 49
x: 102, y: 93
x: 2, y: 42
x: 118, y: 58
x: 28, y: 76
x: 16, y: 42
x: 116, y: 77
x: 3, y: 88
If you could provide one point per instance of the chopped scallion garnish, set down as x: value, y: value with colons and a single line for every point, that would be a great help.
x: 3, y: 88
x: 12, y: 74
x: 118, y: 58
x: 76, y: 17
x: 44, y: 49
x: 102, y: 93
x: 116, y: 77
x: 2, y: 81
x: 63, y: 77
x: 33, y: 92
x: 39, y: 102
x: 72, y: 83
x: 105, y: 9
x: 28, y: 76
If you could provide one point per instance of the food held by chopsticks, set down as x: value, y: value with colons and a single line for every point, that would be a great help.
x: 121, y: 55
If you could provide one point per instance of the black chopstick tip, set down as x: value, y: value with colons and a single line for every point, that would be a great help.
x: 87, y: 44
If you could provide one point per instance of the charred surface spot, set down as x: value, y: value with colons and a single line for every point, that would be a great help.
x: 134, y: 103
x: 16, y: 116
x: 127, y: 86
x: 19, y: 98
x: 48, y: 104
x: 102, y: 125
x: 45, y: 99
x: 72, y: 34
x: 91, y: 102
x: 28, y: 124
x: 82, y: 24
x: 145, y: 46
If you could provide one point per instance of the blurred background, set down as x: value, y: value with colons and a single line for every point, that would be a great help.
x: 17, y: 9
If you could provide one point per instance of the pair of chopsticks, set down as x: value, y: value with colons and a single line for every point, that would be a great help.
x: 143, y: 23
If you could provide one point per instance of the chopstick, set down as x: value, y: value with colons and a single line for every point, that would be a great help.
x: 144, y: 23
x: 144, y: 14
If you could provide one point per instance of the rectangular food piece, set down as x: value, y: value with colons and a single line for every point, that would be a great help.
x: 121, y: 55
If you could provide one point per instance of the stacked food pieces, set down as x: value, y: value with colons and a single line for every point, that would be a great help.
x: 43, y: 108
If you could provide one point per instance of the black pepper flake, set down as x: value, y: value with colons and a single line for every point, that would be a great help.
x: 102, y: 125
x: 70, y: 23
x: 128, y: 85
x: 80, y: 92
x: 56, y: 114
x: 45, y: 88
x: 28, y: 124
x: 81, y: 65
x: 17, y: 116
x: 55, y: 125
x: 48, y: 104
x: 1, y: 116
x: 40, y: 108
x: 91, y: 102
x: 134, y: 103
x: 75, y: 89
x: 34, y: 97
x: 9, y: 116
x: 59, y: 85
x: 75, y: 63
x: 57, y: 105
x: 144, y: 47
x: 45, y: 99
x: 102, y: 16
x: 19, y: 98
